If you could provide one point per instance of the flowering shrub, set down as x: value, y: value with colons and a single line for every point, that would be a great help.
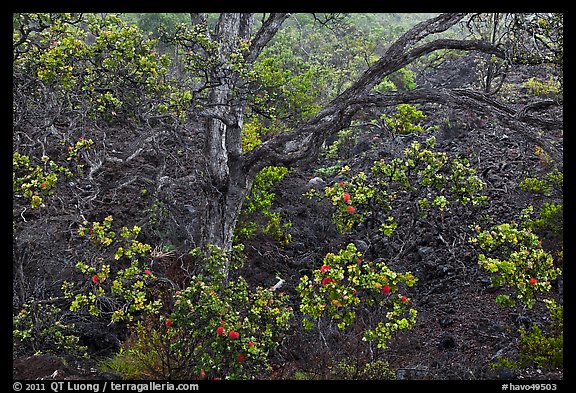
x: 345, y: 287
x: 351, y: 199
x: 115, y: 283
x: 34, y: 183
x: 232, y: 328
x: 431, y: 178
x: 517, y: 260
x: 214, y: 330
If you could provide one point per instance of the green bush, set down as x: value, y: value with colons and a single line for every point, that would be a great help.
x: 346, y: 287
x: 218, y: 328
x: 258, y: 205
x: 402, y: 122
x: 352, y: 368
x: 539, y: 87
x: 537, y: 347
x: 114, y: 282
x: 41, y: 328
x: 518, y: 261
x: 445, y: 182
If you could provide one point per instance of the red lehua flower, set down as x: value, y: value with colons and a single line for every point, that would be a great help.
x: 250, y: 343
x: 222, y: 322
x: 359, y: 261
x: 351, y: 209
x: 386, y: 290
x: 404, y: 299
x: 346, y: 197
x: 177, y: 293
x: 148, y: 272
x: 220, y: 331
x: 533, y: 281
x: 43, y: 185
x: 95, y: 279
x: 327, y: 281
x: 240, y: 357
x: 325, y: 269
x: 168, y: 323
x: 234, y: 335
x: 342, y: 184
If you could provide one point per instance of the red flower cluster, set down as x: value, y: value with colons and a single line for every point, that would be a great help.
x: 240, y: 357
x: 351, y: 209
x: 327, y: 281
x: 404, y: 299
x: 385, y: 290
x: 220, y: 331
x: 95, y: 279
x: 147, y: 272
x: 168, y: 323
x: 533, y: 281
x: 346, y: 197
x: 234, y: 335
x: 325, y: 269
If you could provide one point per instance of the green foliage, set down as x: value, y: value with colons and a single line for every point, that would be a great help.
x: 40, y: 326
x: 159, y: 24
x: 259, y: 204
x: 152, y: 351
x: 351, y: 368
x: 346, y: 287
x: 285, y: 91
x: 114, y: 283
x: 546, y: 186
x: 108, y: 67
x: 349, y: 210
x: 445, y: 182
x: 550, y: 221
x: 539, y: 87
x: 252, y: 134
x: 342, y: 147
x: 403, y: 79
x: 540, y: 348
x: 215, y: 329
x: 34, y: 182
x: 402, y: 122
x: 550, y: 218
x: 518, y: 261
x: 537, y: 347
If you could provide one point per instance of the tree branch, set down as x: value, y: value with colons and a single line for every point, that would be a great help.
x: 480, y: 103
x: 304, y: 143
x: 269, y: 28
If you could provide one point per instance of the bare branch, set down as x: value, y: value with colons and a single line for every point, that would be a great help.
x: 480, y: 103
x: 269, y: 28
